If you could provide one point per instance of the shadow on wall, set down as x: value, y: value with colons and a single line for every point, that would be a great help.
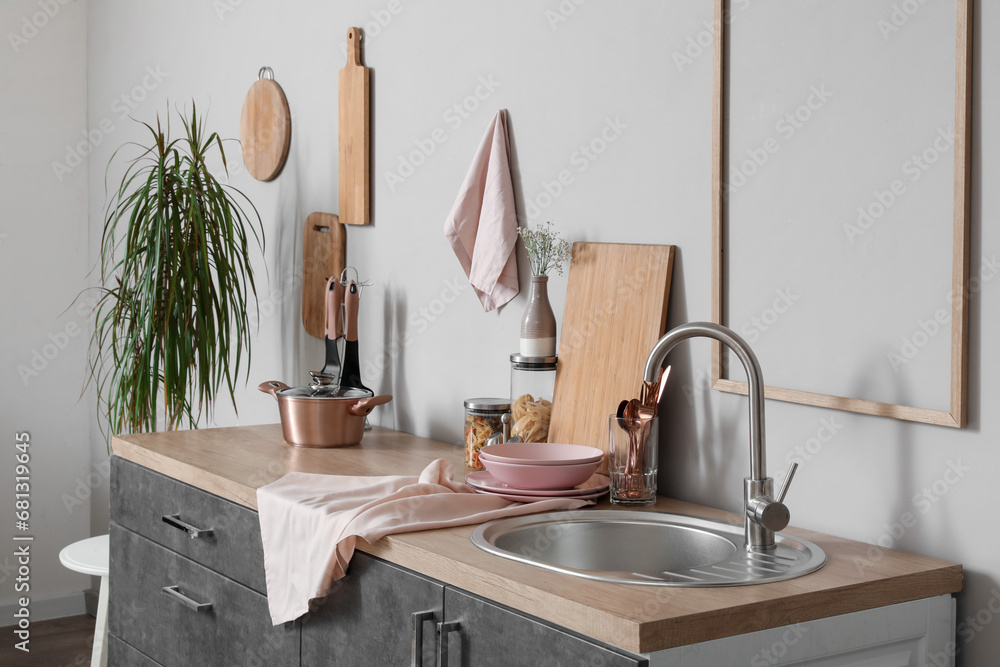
x: 284, y: 289
x: 391, y: 363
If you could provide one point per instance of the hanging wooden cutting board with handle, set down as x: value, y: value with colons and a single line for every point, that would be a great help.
x: 354, y: 185
x: 324, y: 253
x: 616, y: 310
x: 265, y: 127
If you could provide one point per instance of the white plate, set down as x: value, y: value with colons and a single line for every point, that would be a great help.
x: 589, y: 494
x: 484, y: 481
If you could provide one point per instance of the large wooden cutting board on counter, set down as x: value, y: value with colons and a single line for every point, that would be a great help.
x: 616, y: 310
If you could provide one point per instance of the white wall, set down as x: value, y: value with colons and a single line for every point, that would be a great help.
x: 43, y: 262
x: 561, y: 81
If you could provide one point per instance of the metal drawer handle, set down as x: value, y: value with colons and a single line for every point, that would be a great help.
x: 417, y: 638
x: 174, y: 593
x: 195, y: 532
x: 444, y: 629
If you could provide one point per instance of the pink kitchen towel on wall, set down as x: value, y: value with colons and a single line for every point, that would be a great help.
x: 310, y: 523
x: 482, y: 225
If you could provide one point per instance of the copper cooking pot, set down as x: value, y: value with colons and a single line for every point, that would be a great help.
x: 322, y: 415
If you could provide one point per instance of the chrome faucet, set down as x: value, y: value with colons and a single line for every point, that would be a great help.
x: 763, y: 514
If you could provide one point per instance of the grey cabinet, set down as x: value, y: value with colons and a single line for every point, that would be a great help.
x: 379, y: 614
x: 187, y: 579
x: 480, y: 633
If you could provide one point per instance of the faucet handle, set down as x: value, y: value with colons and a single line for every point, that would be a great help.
x: 773, y: 514
x: 787, y: 482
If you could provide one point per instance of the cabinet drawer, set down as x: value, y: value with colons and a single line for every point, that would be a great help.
x: 121, y: 654
x: 141, y: 498
x: 233, y: 631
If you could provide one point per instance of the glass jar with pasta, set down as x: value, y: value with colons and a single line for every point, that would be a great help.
x: 482, y: 419
x: 532, y: 381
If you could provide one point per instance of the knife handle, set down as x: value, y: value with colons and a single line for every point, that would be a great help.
x: 351, y: 305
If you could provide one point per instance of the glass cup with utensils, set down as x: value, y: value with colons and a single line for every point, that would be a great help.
x: 632, y: 459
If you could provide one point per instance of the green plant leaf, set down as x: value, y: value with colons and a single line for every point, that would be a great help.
x: 176, y: 278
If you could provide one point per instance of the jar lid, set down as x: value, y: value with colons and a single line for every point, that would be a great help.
x: 521, y: 362
x: 492, y: 404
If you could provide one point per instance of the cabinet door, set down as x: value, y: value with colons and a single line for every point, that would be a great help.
x: 489, y: 634
x: 368, y: 619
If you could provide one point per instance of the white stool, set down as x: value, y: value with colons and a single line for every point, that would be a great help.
x: 91, y: 557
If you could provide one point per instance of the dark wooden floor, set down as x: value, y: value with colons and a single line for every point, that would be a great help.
x: 61, y: 642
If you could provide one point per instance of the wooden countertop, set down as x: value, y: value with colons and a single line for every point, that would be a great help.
x: 235, y: 462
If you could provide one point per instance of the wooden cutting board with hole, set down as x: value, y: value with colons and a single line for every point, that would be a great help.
x: 616, y: 310
x: 265, y: 128
x: 324, y: 253
x: 354, y: 147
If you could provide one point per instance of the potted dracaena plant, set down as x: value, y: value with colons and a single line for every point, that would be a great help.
x: 546, y: 252
x: 171, y: 324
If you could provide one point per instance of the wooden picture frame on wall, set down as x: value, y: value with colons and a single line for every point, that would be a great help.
x: 954, y: 417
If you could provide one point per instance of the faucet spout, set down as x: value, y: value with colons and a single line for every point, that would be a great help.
x: 762, y: 513
x: 755, y: 378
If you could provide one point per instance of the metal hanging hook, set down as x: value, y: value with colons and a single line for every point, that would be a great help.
x: 265, y: 73
x: 357, y: 279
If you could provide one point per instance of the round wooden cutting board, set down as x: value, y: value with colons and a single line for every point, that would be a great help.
x: 265, y: 128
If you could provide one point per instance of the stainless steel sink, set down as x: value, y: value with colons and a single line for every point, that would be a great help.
x: 652, y: 548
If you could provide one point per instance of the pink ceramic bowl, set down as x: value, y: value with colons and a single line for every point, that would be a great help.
x: 540, y: 453
x: 541, y: 477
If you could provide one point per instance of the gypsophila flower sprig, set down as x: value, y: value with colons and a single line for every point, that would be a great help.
x: 546, y: 251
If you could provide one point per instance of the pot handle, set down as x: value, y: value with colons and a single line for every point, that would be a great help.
x: 272, y: 387
x: 366, y: 405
